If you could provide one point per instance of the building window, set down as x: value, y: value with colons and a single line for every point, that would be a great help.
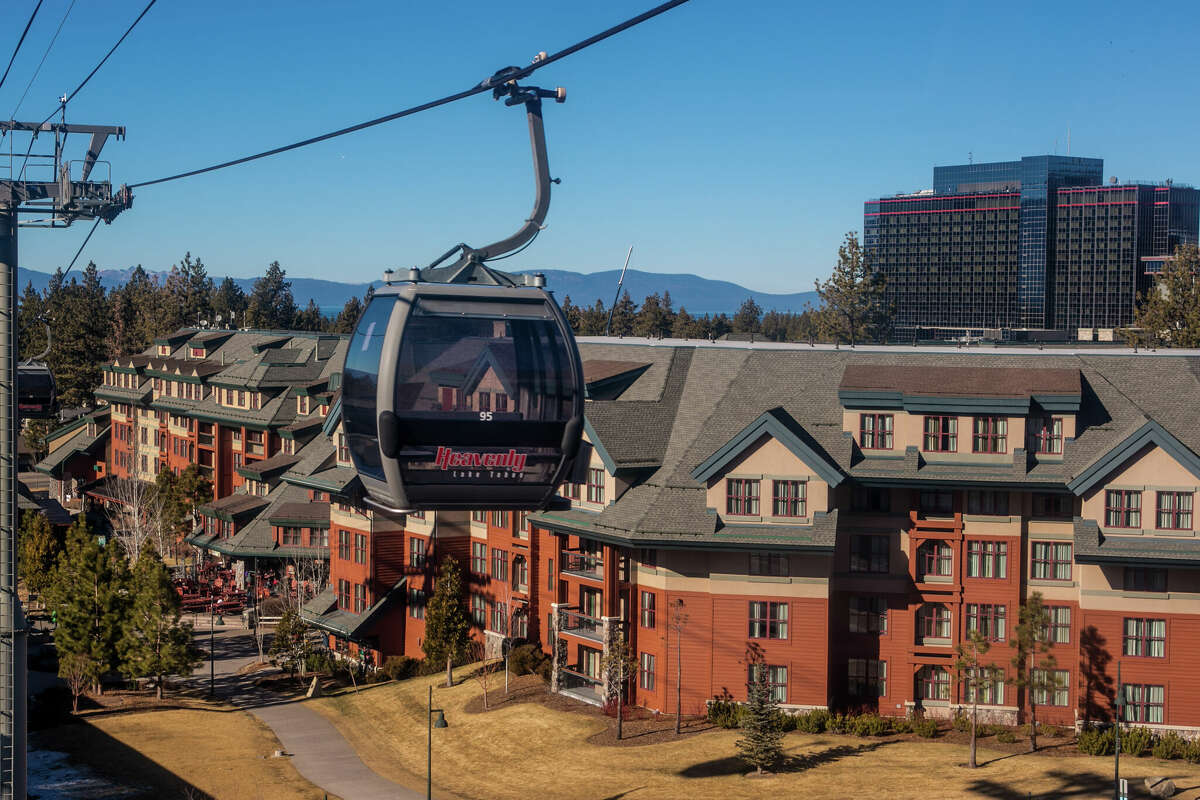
x: 1143, y: 703
x: 935, y: 502
x: 550, y: 574
x: 478, y: 610
x: 1059, y: 695
x: 479, y: 516
x: 520, y: 579
x: 290, y: 536
x: 648, y: 557
x: 988, y: 619
x: 648, y: 616
x: 343, y: 451
x: 360, y: 598
x: 344, y: 594
x: 595, y: 485
x: 1123, y: 508
x: 1053, y: 506
x: 416, y: 514
x: 1046, y: 435
x: 790, y: 498
x: 646, y: 672
x: 871, y: 499
x: 500, y: 618
x: 1058, y: 626
x: 875, y: 431
x: 416, y: 553
x: 1145, y: 579
x: 1174, y: 511
x: 868, y: 614
x: 987, y: 502
x: 866, y: 678
x: 987, y: 559
x: 771, y: 564
x: 360, y: 548
x: 776, y: 680
x: 1145, y: 637
x: 869, y: 553
x: 935, y: 559
x: 741, y: 497
x: 990, y: 435
x: 520, y: 623
x: 933, y: 621
x: 1051, y: 561
x: 570, y: 491
x: 320, y: 535
x: 501, y: 401
x: 984, y: 686
x: 941, y: 434
x: 416, y: 603
x: 523, y: 525
x: 768, y: 620
x: 499, y: 519
x: 479, y: 558
x: 933, y: 683
x: 589, y: 661
x: 499, y: 564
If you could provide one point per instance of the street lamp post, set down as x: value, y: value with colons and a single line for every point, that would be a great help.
x: 440, y: 722
x: 212, y: 645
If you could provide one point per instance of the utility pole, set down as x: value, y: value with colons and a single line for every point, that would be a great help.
x: 57, y: 203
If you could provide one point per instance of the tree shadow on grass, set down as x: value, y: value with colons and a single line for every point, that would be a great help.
x: 1068, y: 785
x: 733, y: 765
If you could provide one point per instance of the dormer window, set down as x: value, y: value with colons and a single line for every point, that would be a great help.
x: 303, y: 404
x: 741, y: 497
x: 289, y: 447
x: 990, y: 435
x: 343, y: 452
x: 941, y: 434
x: 197, y: 352
x: 875, y: 431
x: 164, y: 349
x: 789, y: 498
x: 1046, y: 435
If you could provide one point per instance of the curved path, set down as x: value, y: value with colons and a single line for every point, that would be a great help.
x: 319, y: 752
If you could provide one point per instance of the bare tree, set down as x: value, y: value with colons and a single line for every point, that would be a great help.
x: 486, y: 670
x: 133, y: 515
x: 77, y: 671
x: 311, y: 576
x: 619, y: 665
x: 676, y: 623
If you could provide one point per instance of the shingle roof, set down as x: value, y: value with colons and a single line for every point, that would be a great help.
x: 961, y: 381
x: 1093, y: 547
x: 300, y: 513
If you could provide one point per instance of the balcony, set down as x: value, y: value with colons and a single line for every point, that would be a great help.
x: 582, y: 625
x: 574, y: 683
x: 583, y: 565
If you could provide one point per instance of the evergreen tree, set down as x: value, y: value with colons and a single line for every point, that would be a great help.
x: 81, y: 329
x: 347, y: 318
x: 229, y: 303
x: 135, y: 313
x: 34, y: 433
x: 624, y: 316
x: 271, y: 304
x: 1170, y: 311
x: 290, y: 644
x: 654, y: 320
x: 447, y: 626
x: 853, y: 308
x: 193, y: 488
x: 748, y: 318
x: 309, y: 318
x: 30, y: 328
x: 189, y: 292
x: 88, y: 597
x: 761, y: 745
x: 1032, y: 659
x: 573, y: 314
x: 593, y: 320
x: 155, y: 643
x: 39, y: 550
x: 685, y: 326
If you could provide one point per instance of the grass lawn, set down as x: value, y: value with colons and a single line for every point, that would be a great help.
x: 524, y: 750
x: 182, y: 753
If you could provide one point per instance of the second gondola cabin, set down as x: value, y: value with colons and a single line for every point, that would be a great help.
x: 462, y: 397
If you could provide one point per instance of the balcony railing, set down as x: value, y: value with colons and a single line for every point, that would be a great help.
x: 582, y: 564
x: 573, y: 681
x: 582, y: 625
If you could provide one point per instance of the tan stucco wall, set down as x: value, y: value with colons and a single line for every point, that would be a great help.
x: 764, y: 460
x: 727, y: 573
x: 1149, y: 470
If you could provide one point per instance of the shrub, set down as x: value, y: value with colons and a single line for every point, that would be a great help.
x: 1095, y: 741
x: 545, y: 669
x: 525, y: 659
x: 786, y: 722
x: 1192, y: 751
x: 1051, y: 731
x: 869, y: 725
x: 319, y: 661
x: 925, y: 728
x: 1136, y: 741
x: 1169, y: 746
x: 724, y: 713
x: 1006, y: 737
x: 399, y: 668
x: 993, y: 730
x: 903, y: 725
x: 814, y: 721
x: 838, y: 723
x: 962, y: 722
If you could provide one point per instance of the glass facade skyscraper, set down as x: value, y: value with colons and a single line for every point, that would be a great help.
x: 978, y: 252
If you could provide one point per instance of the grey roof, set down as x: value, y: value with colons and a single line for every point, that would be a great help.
x: 81, y: 442
x: 1093, y: 547
x: 322, y: 612
x: 233, y: 506
x: 257, y: 540
x: 697, y: 396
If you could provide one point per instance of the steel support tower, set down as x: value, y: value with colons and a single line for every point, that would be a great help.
x: 68, y: 195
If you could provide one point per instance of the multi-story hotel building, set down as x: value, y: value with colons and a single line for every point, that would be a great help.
x: 843, y: 517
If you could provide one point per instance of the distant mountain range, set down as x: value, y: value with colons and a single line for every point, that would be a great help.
x: 698, y: 295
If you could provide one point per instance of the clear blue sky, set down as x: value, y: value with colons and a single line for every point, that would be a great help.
x: 728, y: 139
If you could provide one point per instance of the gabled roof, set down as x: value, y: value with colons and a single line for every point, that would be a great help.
x: 970, y: 390
x: 233, y: 507
x: 1094, y: 547
x: 303, y: 514
x: 257, y: 470
x: 779, y: 425
x: 322, y: 612
x: 1151, y: 433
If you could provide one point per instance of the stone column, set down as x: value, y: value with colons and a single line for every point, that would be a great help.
x: 610, y: 629
x: 557, y: 651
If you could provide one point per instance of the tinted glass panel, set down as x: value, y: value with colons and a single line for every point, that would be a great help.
x: 360, y: 378
x: 481, y: 398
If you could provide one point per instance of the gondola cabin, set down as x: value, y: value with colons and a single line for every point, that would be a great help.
x: 462, y: 397
x: 36, y: 392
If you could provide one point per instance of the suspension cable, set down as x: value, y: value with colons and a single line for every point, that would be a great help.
x: 20, y: 42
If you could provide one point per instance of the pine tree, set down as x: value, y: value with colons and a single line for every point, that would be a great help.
x: 136, y: 314
x: 290, y: 644
x: 271, y: 304
x: 189, y: 292
x: 155, y: 643
x: 39, y: 550
x: 447, y: 626
x: 1170, y: 310
x: 761, y: 745
x: 309, y: 318
x: 229, y: 303
x: 654, y: 320
x: 347, y: 318
x: 81, y: 330
x: 748, y: 318
x: 592, y: 320
x: 1032, y: 659
x: 684, y: 326
x: 623, y: 317
x: 573, y: 314
x: 853, y: 308
x: 88, y: 597
x: 31, y: 330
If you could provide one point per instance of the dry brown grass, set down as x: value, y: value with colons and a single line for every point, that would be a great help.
x: 534, y: 751
x: 181, y: 753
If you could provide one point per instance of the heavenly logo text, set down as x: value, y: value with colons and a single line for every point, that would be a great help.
x: 448, y: 458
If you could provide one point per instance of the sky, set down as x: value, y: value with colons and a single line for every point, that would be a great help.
x: 732, y: 140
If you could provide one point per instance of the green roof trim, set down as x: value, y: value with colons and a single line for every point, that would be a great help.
x: 1149, y: 434
x: 598, y: 446
x: 777, y: 424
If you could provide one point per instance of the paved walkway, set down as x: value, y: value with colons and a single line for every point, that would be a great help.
x: 319, y: 752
